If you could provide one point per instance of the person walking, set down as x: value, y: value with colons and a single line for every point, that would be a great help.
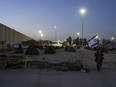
x: 99, y: 56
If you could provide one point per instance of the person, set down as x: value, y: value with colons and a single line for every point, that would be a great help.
x: 99, y: 56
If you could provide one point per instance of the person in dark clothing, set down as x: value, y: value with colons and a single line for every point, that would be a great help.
x: 99, y: 56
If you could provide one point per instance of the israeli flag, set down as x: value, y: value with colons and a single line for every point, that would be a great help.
x: 93, y: 42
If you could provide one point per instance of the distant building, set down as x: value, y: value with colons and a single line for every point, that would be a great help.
x: 11, y: 36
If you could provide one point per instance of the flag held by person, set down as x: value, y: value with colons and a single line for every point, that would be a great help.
x: 93, y: 42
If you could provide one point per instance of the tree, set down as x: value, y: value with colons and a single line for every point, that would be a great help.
x: 85, y: 41
x: 65, y: 43
x: 46, y: 42
x: 104, y: 41
x: 69, y: 40
x: 3, y: 43
x: 76, y: 41
x: 30, y: 42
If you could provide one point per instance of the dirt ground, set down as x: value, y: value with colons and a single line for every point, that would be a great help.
x: 35, y: 77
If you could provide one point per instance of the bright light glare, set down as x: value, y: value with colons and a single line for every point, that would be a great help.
x: 55, y: 27
x: 58, y: 40
x: 112, y: 38
x: 82, y: 11
x: 40, y: 31
x: 97, y: 37
x: 78, y: 33
x: 41, y: 35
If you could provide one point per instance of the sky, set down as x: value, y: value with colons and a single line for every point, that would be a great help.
x: 30, y: 16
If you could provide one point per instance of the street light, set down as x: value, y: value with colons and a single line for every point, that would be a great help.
x: 78, y: 33
x: 82, y: 11
x: 41, y: 33
x: 97, y: 37
x: 112, y: 38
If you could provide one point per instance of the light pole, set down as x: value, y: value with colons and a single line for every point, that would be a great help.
x: 55, y: 33
x: 82, y: 11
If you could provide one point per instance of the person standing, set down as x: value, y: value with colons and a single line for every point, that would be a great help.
x: 99, y: 56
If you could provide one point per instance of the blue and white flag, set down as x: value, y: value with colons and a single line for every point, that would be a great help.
x: 93, y: 42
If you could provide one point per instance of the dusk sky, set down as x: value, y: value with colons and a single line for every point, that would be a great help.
x: 29, y: 16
